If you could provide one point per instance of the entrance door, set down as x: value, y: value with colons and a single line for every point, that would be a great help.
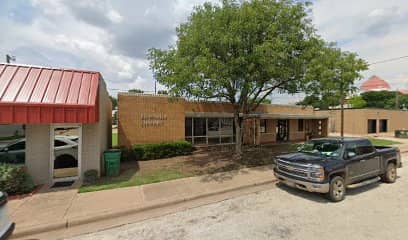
x: 282, y: 131
x: 65, y: 152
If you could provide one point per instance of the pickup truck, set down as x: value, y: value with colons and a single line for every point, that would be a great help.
x: 331, y: 165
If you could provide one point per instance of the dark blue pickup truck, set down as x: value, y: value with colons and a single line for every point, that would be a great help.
x: 331, y: 165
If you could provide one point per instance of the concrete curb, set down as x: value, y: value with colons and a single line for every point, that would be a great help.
x: 67, y: 223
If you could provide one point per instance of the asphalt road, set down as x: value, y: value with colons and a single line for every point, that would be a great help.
x: 377, y: 211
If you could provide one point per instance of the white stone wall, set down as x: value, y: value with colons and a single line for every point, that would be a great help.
x: 38, y: 146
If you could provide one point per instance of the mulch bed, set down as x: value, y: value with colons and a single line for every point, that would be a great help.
x: 21, y: 196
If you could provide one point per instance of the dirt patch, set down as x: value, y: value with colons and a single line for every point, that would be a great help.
x: 211, y: 160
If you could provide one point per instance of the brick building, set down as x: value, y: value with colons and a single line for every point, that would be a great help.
x: 155, y: 119
x: 367, y: 121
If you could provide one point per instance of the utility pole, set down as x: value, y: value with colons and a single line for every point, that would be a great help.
x: 397, y: 99
x: 10, y: 58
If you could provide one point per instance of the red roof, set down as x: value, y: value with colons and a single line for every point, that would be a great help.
x: 403, y: 91
x: 375, y: 83
x: 31, y: 94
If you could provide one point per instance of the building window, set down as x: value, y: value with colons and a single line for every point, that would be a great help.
x: 383, y: 125
x: 372, y: 126
x: 301, y: 125
x: 263, y: 123
x: 209, y: 130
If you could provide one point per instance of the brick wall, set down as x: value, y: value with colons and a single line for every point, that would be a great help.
x: 356, y: 120
x: 150, y: 119
x: 154, y: 119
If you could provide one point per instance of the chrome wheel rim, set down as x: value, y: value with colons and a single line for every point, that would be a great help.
x: 338, y: 189
x: 392, y: 173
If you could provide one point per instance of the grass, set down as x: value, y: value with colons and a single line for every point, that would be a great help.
x: 383, y: 142
x: 114, y: 139
x: 136, y: 173
x: 129, y: 178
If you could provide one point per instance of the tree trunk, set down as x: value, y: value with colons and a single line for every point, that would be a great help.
x: 342, y: 117
x: 238, y: 135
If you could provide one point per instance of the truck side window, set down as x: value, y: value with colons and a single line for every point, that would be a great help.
x: 364, y: 147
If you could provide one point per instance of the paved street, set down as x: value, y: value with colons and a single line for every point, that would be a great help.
x: 378, y: 211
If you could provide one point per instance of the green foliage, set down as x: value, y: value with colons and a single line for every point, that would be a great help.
x: 334, y: 72
x: 114, y: 102
x: 135, y: 90
x: 401, y: 133
x: 321, y: 102
x: 15, y: 180
x: 357, y: 102
x: 240, y: 52
x: 162, y: 150
x: 380, y: 99
x: 385, y: 99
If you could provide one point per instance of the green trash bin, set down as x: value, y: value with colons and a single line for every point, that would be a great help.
x: 112, y: 162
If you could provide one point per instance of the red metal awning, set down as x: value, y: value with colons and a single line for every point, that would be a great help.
x: 31, y: 94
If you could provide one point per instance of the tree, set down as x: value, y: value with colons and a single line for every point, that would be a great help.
x: 380, y: 99
x: 240, y: 53
x: 114, y: 102
x: 357, y: 102
x: 320, y: 101
x: 336, y: 72
x: 135, y: 90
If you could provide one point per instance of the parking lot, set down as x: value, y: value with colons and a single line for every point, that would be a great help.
x: 377, y: 211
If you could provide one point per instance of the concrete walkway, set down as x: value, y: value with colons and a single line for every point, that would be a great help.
x: 50, y: 210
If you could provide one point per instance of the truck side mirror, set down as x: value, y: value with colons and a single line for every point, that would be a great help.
x: 351, y: 155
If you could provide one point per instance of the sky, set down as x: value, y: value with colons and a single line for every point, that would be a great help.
x: 113, y: 36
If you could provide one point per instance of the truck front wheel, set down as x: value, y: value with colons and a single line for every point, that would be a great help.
x: 390, y: 175
x: 337, y: 190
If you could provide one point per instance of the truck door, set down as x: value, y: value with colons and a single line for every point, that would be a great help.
x: 363, y: 162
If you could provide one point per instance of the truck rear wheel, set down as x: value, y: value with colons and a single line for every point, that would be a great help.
x: 337, y: 190
x: 390, y: 175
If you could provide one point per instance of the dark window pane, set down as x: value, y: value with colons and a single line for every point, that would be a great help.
x: 227, y: 139
x: 58, y: 143
x: 300, y: 125
x: 263, y: 123
x: 227, y: 126
x: 213, y: 127
x: 188, y: 127
x: 200, y: 128
x: 383, y: 125
x: 200, y: 140
x: 213, y: 140
x: 372, y: 126
x: 17, y: 146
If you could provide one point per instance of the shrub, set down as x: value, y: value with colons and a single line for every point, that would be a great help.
x: 14, y: 179
x: 90, y: 176
x: 162, y: 150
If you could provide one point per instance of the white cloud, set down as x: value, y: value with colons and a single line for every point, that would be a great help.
x: 113, y: 36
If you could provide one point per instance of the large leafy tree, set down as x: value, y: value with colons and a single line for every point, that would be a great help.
x: 240, y: 53
x: 337, y: 72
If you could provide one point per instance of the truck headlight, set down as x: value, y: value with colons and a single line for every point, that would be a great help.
x: 318, y: 174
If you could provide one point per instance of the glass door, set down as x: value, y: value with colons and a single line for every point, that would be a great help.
x: 65, y: 152
x: 282, y: 131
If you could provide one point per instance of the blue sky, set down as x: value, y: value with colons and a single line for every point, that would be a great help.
x: 112, y: 36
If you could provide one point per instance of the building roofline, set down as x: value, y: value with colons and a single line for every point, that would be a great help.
x: 50, y: 68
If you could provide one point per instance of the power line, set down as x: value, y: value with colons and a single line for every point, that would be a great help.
x: 388, y: 60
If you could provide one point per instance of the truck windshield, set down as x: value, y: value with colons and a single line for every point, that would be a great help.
x: 329, y: 149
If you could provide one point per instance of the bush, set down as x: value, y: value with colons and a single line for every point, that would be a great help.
x: 162, y: 150
x: 90, y: 176
x: 14, y: 179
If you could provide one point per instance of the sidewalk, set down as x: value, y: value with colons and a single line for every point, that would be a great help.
x: 51, y: 210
